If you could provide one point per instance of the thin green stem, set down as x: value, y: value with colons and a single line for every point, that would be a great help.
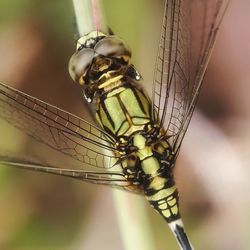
x: 133, y: 221
x: 89, y: 16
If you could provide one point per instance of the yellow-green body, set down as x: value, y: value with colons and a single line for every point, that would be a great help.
x: 123, y: 110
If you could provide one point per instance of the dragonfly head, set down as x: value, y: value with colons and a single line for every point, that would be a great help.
x: 98, y: 55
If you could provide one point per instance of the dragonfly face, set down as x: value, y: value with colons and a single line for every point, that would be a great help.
x: 138, y: 138
x: 98, y: 58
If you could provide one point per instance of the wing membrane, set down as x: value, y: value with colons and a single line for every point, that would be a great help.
x: 188, y: 34
x: 114, y: 179
x: 56, y: 128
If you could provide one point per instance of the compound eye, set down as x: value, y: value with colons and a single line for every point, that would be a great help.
x: 79, y: 64
x: 113, y: 47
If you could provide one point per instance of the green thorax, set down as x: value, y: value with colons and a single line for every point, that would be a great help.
x: 123, y: 110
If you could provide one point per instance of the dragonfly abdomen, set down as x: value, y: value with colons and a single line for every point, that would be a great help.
x: 163, y: 198
x: 157, y: 177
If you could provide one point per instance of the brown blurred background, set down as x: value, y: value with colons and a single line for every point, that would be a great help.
x: 38, y: 211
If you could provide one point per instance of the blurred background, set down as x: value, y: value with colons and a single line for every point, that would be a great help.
x: 39, y: 211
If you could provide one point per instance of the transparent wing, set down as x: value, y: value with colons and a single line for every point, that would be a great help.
x: 58, y: 129
x: 114, y: 179
x: 188, y: 34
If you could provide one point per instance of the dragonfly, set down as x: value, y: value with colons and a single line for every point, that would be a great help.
x: 136, y: 138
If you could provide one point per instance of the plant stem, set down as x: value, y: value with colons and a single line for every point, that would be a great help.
x: 133, y: 221
x: 89, y: 16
